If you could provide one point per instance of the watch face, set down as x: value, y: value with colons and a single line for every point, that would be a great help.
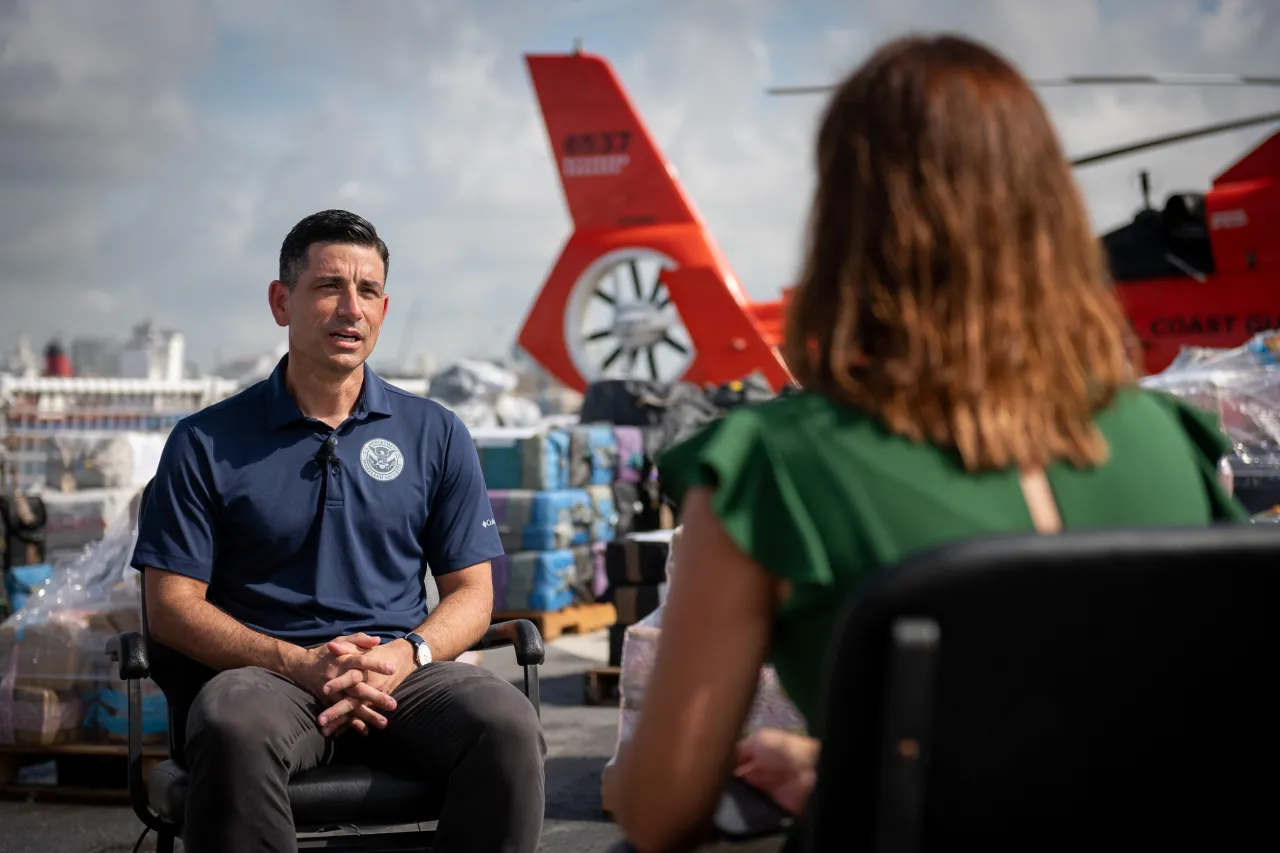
x: 422, y: 653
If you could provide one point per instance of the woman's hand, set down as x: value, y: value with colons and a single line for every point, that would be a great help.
x: 782, y: 764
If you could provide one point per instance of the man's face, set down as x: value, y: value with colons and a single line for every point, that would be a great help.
x: 336, y: 309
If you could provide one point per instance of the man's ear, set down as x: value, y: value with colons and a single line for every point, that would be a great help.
x: 278, y: 299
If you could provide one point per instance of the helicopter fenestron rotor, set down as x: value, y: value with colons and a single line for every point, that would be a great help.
x: 1129, y: 80
x: 614, y: 329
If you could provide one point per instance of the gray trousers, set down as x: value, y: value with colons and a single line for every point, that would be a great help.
x: 473, y: 735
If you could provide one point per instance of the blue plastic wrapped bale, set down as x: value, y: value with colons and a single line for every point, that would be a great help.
x: 21, y: 582
x: 593, y: 454
x: 604, y: 524
x: 523, y: 457
x: 546, y: 461
x: 543, y: 521
x: 109, y: 712
x: 501, y: 455
x: 540, y: 580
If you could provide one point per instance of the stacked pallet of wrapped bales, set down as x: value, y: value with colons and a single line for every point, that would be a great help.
x: 552, y: 496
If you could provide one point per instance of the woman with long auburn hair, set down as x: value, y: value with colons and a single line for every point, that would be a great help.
x: 966, y: 370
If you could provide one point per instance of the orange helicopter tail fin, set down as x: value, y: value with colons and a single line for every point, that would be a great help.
x: 1262, y: 163
x: 611, y: 170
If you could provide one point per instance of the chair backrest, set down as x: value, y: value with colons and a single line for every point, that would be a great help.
x: 178, y: 676
x: 1064, y: 692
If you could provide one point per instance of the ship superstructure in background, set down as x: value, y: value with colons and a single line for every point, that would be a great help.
x: 98, y: 389
x: 137, y: 391
x: 149, y: 353
x: 153, y: 353
x: 33, y: 409
x: 641, y: 289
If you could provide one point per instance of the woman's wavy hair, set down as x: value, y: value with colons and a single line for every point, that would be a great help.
x: 953, y: 285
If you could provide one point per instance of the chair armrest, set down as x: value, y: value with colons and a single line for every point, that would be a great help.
x: 130, y: 652
x: 521, y: 634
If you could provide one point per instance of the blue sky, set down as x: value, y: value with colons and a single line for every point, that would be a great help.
x: 153, y: 153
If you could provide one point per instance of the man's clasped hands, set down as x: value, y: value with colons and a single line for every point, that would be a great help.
x: 355, y: 676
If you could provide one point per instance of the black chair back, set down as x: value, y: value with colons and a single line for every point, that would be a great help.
x: 178, y: 676
x: 1108, y: 689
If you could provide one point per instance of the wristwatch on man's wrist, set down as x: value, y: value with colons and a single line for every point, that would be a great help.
x: 421, y: 651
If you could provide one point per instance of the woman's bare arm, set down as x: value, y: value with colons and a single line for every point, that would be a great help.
x: 716, y: 630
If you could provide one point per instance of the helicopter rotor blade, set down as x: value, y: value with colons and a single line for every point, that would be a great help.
x: 1184, y: 136
x: 800, y: 90
x: 1158, y: 80
x: 1094, y: 80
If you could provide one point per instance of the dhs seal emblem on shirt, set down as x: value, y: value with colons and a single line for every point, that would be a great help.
x: 381, y: 459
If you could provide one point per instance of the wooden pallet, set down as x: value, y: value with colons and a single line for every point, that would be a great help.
x: 574, y: 619
x: 601, y: 686
x: 15, y: 756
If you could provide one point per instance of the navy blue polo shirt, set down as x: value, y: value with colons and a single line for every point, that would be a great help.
x: 303, y: 549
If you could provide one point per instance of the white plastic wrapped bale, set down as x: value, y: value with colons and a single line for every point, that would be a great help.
x: 1242, y: 387
x: 102, y: 460
x: 771, y: 707
x: 474, y: 414
x: 56, y: 683
x: 78, y: 519
x: 471, y: 379
x: 478, y: 392
x: 511, y: 410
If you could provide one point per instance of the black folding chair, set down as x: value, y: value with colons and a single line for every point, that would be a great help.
x: 338, y: 806
x: 1100, y: 690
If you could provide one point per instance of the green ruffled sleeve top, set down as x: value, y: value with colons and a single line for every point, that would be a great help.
x: 823, y: 496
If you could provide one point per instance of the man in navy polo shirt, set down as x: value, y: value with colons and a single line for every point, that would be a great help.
x: 284, y: 548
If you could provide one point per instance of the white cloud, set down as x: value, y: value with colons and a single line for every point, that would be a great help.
x: 116, y: 178
x: 98, y: 301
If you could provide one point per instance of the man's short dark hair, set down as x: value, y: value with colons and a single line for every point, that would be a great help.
x: 327, y: 226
